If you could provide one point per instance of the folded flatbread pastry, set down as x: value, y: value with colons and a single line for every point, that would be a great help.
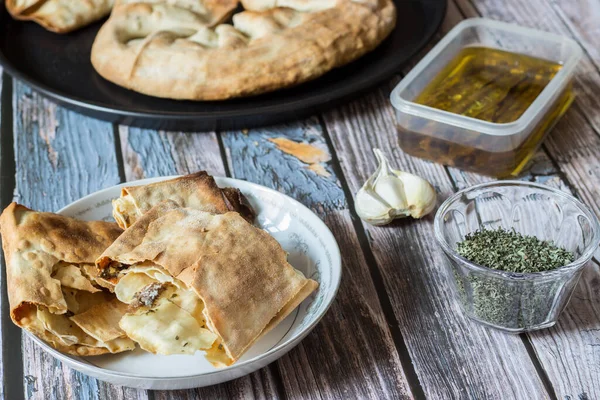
x: 50, y: 291
x: 167, y: 50
x: 200, y: 281
x: 198, y: 190
x: 63, y: 16
x: 60, y: 16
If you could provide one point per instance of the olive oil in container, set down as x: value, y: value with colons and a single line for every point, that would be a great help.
x: 484, y: 98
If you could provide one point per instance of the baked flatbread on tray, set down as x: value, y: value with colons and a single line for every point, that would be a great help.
x: 200, y: 281
x: 49, y: 291
x: 168, y: 50
x: 198, y: 190
x: 60, y: 16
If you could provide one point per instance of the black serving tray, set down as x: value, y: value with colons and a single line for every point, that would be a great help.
x: 58, y: 66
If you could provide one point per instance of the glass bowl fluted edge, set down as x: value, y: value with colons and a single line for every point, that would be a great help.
x: 585, y: 256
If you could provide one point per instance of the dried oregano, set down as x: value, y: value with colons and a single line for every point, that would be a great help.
x: 511, y: 251
x: 518, y: 304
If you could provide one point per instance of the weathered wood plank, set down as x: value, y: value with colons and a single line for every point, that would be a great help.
x: 60, y: 157
x: 453, y: 356
x: 351, y: 353
x: 5, y: 133
x: 581, y: 17
x: 567, y: 351
x: 150, y: 153
x: 252, y: 151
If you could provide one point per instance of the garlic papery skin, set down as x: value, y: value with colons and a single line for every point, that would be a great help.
x: 389, y: 194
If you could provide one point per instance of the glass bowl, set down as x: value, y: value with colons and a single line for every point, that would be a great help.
x: 516, y: 302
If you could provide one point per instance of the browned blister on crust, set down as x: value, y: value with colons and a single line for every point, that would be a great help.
x: 198, y: 190
x: 41, y: 251
x: 239, y: 271
x: 171, y: 52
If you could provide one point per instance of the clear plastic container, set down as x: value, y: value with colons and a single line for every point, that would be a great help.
x: 498, y: 149
x: 516, y: 302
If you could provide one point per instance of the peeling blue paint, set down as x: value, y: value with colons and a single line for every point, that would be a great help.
x: 254, y: 158
x: 83, y: 387
x: 60, y: 156
x: 30, y: 385
x: 153, y: 150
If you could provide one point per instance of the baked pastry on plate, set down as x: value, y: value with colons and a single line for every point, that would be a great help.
x: 197, y: 190
x: 52, y: 289
x: 189, y: 273
x: 171, y: 50
x: 200, y: 281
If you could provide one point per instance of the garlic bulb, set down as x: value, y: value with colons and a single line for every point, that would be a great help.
x: 390, y: 194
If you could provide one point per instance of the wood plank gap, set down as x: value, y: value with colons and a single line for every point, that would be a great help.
x: 119, y: 153
x: 409, y: 371
x: 538, y: 366
x: 278, y: 381
x: 455, y: 187
x: 11, y: 335
x: 223, y: 151
x: 560, y: 173
x: 150, y: 393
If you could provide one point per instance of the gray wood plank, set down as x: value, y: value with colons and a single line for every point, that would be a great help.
x: 60, y: 156
x: 581, y: 18
x: 351, y: 353
x: 151, y: 153
x: 453, y: 356
x: 566, y: 351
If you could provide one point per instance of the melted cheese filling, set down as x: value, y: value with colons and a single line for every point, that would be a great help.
x: 171, y: 322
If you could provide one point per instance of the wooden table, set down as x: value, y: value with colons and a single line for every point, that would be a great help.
x: 394, y: 330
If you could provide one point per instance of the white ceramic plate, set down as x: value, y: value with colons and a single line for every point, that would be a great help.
x: 312, y: 249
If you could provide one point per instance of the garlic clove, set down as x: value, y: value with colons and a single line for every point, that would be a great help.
x: 390, y: 194
x: 371, y: 209
x: 391, y: 190
x: 420, y: 195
